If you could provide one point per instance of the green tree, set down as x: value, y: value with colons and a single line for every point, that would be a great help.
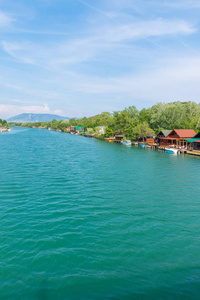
x: 73, y: 122
x: 109, y: 132
x: 126, y: 120
x: 143, y: 130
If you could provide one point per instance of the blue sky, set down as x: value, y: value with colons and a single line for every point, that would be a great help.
x: 82, y: 57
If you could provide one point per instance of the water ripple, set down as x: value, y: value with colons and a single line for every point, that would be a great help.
x: 85, y: 219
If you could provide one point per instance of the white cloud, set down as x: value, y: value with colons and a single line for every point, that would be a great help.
x: 114, y: 52
x: 5, y: 19
x: 98, y: 41
x: 144, y: 29
x: 182, y: 4
x: 105, y: 14
x: 12, y: 110
x: 18, y: 101
x: 58, y: 112
x: 11, y: 48
x: 175, y: 79
x: 19, y: 51
x: 12, y: 86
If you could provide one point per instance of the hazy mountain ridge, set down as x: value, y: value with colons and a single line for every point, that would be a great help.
x: 30, y: 118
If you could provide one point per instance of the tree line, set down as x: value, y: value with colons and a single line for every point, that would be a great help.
x: 3, y: 123
x: 133, y: 123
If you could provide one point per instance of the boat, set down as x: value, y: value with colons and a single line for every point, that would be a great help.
x: 126, y: 142
x: 172, y: 150
x: 143, y: 145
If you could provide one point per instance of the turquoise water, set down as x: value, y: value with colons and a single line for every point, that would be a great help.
x: 86, y: 219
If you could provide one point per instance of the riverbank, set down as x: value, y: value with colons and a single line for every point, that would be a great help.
x: 119, y: 139
x: 4, y: 129
x: 150, y: 143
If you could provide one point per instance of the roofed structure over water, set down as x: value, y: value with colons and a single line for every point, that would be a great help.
x: 196, y: 145
x: 174, y: 136
x: 77, y: 129
x: 197, y: 136
x: 194, y: 142
x: 182, y: 133
x: 163, y: 133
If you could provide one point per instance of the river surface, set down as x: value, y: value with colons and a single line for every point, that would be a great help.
x: 86, y: 219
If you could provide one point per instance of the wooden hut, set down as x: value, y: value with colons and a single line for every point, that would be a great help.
x: 161, y: 137
x: 176, y: 137
x: 183, y: 137
x: 119, y: 138
x: 77, y: 129
x: 197, y: 136
x: 150, y: 140
x: 194, y: 143
x: 196, y: 146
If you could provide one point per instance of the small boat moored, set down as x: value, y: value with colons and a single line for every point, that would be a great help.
x: 172, y: 150
x: 126, y: 142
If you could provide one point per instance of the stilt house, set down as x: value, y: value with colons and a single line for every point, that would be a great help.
x: 195, y: 142
x: 176, y: 136
x: 161, y: 137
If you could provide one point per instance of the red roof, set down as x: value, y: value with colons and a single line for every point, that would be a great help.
x: 197, y: 141
x: 185, y: 133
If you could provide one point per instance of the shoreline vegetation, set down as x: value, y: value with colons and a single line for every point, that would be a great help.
x: 130, y: 122
x: 4, y: 126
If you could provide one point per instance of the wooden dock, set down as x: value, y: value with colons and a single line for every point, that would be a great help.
x: 193, y: 152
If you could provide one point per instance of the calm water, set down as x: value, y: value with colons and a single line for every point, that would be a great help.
x: 85, y: 219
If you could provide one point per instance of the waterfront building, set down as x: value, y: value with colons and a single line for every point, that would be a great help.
x: 194, y: 143
x: 197, y: 136
x: 161, y: 137
x: 119, y: 138
x: 68, y: 129
x: 3, y: 129
x: 77, y: 129
x: 150, y: 140
x: 176, y: 137
x: 196, y: 146
x: 146, y: 139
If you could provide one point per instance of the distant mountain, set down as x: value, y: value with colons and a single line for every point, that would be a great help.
x: 31, y: 118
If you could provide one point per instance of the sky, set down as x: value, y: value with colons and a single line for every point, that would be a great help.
x: 79, y: 58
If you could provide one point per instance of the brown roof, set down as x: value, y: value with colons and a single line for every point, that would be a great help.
x: 189, y: 133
